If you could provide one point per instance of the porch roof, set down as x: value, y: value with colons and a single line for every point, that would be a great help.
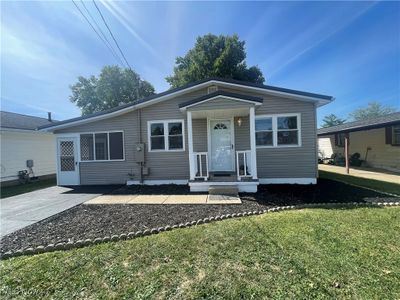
x: 224, y: 94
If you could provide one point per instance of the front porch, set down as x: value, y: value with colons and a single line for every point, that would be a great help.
x: 221, y: 142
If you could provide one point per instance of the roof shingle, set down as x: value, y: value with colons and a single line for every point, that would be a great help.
x: 362, y: 124
x: 18, y: 121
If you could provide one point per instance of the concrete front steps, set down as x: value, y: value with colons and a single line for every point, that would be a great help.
x: 241, y: 186
x: 223, y: 192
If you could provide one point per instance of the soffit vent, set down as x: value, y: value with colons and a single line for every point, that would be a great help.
x: 212, y: 89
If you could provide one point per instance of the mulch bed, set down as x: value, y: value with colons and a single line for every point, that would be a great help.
x: 92, y: 221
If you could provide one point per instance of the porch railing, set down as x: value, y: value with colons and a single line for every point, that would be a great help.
x: 201, y: 165
x: 243, y: 164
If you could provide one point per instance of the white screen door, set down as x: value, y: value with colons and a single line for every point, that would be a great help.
x: 221, y: 145
x: 67, y: 156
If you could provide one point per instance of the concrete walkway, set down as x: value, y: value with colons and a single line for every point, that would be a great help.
x: 364, y: 173
x: 22, y: 210
x: 164, y: 199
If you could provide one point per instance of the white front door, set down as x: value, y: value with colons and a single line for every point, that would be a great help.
x: 67, y: 161
x: 221, y: 145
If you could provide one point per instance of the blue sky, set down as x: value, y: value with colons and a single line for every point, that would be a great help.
x: 350, y: 50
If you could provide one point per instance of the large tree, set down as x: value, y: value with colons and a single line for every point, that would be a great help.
x: 214, y: 56
x: 372, y: 110
x: 332, y: 120
x: 113, y: 87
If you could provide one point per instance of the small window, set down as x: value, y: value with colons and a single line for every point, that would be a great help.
x: 220, y: 126
x: 264, y: 132
x: 396, y: 135
x: 102, y: 146
x: 287, y: 131
x: 339, y: 139
x: 166, y: 135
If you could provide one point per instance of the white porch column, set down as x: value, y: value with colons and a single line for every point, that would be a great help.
x: 253, y: 143
x: 190, y: 144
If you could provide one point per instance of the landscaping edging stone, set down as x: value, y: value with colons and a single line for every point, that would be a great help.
x: 132, y: 235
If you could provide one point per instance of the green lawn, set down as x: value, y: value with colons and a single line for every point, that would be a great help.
x: 364, y: 182
x: 310, y: 253
x: 25, y: 188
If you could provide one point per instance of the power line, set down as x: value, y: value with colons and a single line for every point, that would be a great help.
x: 94, y: 29
x: 101, y: 31
x: 109, y: 30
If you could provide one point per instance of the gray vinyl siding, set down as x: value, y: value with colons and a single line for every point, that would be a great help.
x: 242, y: 134
x: 199, y: 135
x: 219, y: 104
x: 300, y: 162
x: 288, y: 162
x: 162, y: 165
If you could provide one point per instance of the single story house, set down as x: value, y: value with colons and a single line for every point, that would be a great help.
x: 23, y: 148
x: 377, y: 140
x: 215, y: 132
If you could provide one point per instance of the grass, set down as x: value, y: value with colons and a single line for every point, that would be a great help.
x: 310, y: 253
x: 25, y: 188
x: 378, y: 185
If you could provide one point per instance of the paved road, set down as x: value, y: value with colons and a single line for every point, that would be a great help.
x: 19, y: 211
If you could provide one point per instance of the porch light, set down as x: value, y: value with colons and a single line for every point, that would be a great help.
x: 239, y: 121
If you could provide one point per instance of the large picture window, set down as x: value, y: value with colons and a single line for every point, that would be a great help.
x: 166, y: 135
x: 278, y: 131
x: 102, y: 146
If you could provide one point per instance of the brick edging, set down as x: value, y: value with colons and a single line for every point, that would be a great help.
x: 140, y: 233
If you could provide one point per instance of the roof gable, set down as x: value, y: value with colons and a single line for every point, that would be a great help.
x: 294, y: 94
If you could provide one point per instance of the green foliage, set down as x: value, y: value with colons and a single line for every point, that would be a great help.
x: 374, y: 109
x: 115, y: 86
x: 332, y: 120
x: 306, y: 254
x: 214, y: 56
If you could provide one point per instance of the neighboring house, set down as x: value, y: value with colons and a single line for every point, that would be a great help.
x: 377, y: 140
x: 215, y: 132
x: 21, y: 142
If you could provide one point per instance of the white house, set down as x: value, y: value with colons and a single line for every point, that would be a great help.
x: 20, y: 143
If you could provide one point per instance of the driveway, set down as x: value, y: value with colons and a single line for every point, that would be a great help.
x: 369, y: 173
x: 20, y: 211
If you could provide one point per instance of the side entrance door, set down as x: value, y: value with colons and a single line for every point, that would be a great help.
x: 221, y: 145
x: 67, y: 161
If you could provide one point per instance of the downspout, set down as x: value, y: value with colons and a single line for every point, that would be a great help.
x: 139, y: 117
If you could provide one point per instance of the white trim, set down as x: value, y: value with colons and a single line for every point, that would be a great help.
x: 190, y: 145
x: 232, y: 120
x: 158, y: 182
x: 288, y: 180
x: 166, y: 135
x: 224, y: 97
x: 253, y: 148
x: 183, y: 91
x: 94, y: 146
x: 275, y: 130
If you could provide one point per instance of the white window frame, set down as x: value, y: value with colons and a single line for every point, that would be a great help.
x: 108, y: 145
x: 275, y: 130
x: 396, y: 143
x: 166, y: 135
